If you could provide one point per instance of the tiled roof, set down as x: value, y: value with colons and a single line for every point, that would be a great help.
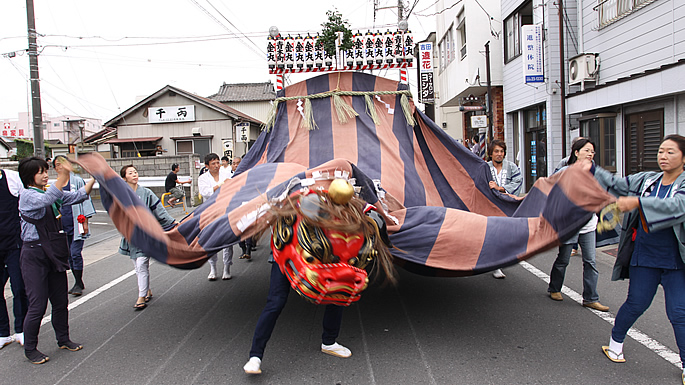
x: 101, y: 136
x: 245, y: 92
x: 213, y: 104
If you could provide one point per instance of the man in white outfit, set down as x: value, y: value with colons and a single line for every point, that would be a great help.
x: 506, y: 177
x: 208, y: 183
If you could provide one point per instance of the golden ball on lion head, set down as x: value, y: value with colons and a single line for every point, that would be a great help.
x: 340, y: 191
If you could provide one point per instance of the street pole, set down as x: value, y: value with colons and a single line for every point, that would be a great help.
x: 489, y: 101
x: 562, y: 74
x: 36, y: 111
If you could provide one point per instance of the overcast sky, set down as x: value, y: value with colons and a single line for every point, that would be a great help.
x: 97, y: 56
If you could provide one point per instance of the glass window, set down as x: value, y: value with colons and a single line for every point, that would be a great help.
x: 515, y: 137
x: 184, y: 147
x: 202, y: 147
x: 602, y: 131
x: 446, y: 48
x: 612, y: 10
x: 461, y: 33
x: 512, y: 30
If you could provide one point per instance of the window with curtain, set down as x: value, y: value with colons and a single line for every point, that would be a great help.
x: 612, y: 10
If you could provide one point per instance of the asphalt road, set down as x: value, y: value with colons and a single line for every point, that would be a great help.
x: 475, y: 330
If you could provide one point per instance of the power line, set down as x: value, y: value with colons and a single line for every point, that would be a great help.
x: 441, y: 11
x: 136, y: 44
x: 238, y: 29
x: 133, y: 37
x: 226, y: 28
x: 425, y: 9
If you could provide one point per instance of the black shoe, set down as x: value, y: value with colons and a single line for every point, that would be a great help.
x: 70, y: 345
x: 76, y: 290
x: 36, y: 357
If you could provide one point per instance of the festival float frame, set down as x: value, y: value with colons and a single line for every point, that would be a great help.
x: 370, y: 51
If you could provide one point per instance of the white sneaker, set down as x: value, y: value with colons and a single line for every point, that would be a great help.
x: 227, y: 274
x: 4, y: 341
x: 253, y: 366
x: 336, y: 350
x: 19, y: 338
x: 211, y: 276
x: 498, y: 274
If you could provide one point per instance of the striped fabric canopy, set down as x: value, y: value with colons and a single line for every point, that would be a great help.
x: 445, y: 218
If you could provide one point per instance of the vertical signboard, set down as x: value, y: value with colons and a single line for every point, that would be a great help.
x: 242, y: 132
x: 532, y: 54
x: 426, y: 90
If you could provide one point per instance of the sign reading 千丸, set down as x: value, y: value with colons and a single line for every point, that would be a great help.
x: 170, y: 114
x: 531, y: 47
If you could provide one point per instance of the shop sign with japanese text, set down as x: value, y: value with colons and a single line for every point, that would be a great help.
x: 532, y: 54
x: 170, y: 114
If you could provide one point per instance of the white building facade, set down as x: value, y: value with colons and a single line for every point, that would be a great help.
x: 623, y: 66
x: 460, y: 66
x: 637, y: 93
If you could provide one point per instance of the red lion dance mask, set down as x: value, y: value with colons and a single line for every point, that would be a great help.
x: 324, y: 265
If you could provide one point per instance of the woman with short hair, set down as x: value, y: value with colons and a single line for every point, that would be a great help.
x: 651, y: 250
x: 45, y: 252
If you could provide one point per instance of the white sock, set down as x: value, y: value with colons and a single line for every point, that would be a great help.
x: 616, y: 347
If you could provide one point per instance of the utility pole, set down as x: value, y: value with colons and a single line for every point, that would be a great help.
x: 489, y: 101
x: 562, y: 74
x: 35, y: 85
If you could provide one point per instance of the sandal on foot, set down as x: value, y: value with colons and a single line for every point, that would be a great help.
x: 148, y: 297
x: 612, y: 355
x: 140, y: 306
x: 70, y: 345
x: 246, y: 256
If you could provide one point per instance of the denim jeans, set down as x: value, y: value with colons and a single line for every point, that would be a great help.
x: 590, y: 273
x: 279, y: 289
x: 644, y: 282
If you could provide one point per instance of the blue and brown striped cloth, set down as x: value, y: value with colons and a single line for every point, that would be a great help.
x: 445, y: 219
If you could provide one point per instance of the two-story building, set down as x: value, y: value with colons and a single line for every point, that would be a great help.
x: 627, y: 85
x: 173, y: 121
x: 252, y: 99
x: 623, y: 63
x: 462, y: 32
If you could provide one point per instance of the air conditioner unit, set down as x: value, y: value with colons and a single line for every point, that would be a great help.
x: 582, y: 68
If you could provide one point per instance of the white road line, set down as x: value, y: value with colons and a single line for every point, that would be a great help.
x: 416, y: 340
x: 369, y: 366
x: 99, y: 223
x: 91, y: 295
x: 647, y: 341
